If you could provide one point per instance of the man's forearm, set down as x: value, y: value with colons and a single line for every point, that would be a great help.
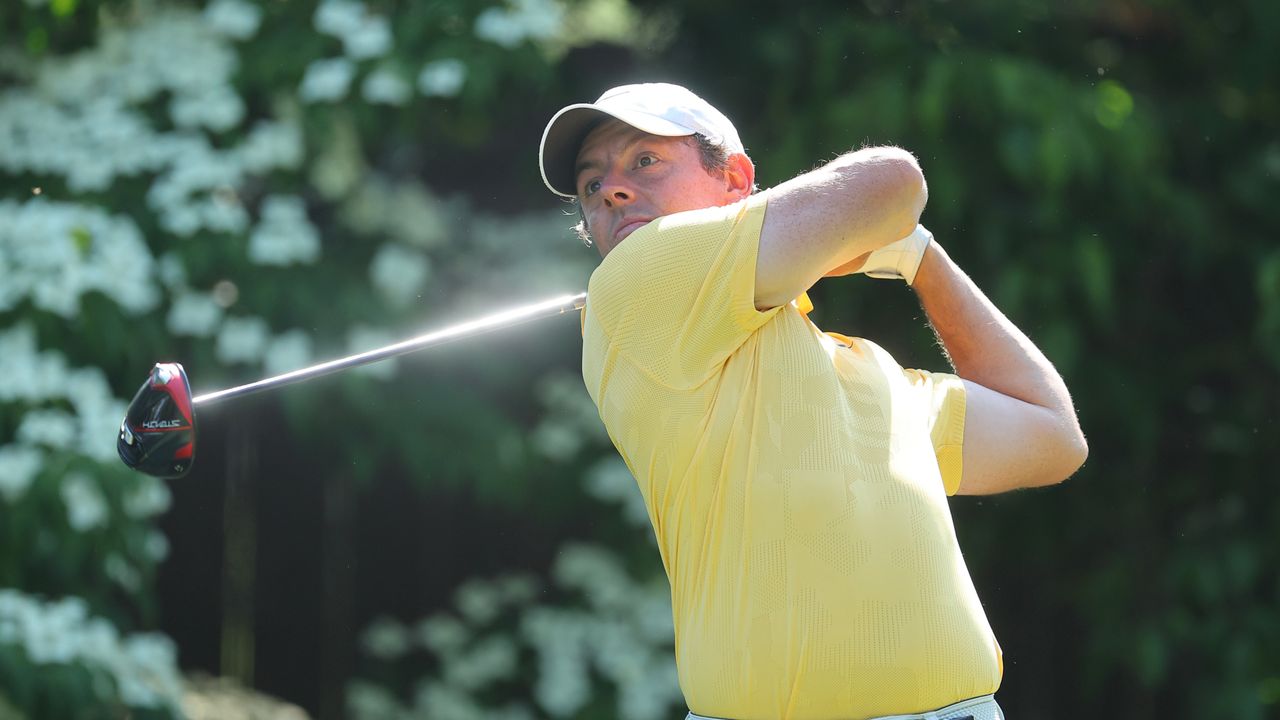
x: 987, y: 349
x: 983, y: 345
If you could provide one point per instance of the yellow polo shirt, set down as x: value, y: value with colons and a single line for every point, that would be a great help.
x: 796, y: 482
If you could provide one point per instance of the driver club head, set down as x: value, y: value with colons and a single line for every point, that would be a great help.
x: 158, y: 434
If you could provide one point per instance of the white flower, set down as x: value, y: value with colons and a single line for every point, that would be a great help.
x: 610, y: 480
x: 242, y: 339
x: 59, y: 251
x: 86, y: 507
x: 186, y: 195
x: 338, y: 17
x: 171, y: 271
x: 327, y: 80
x: 596, y: 572
x: 51, y: 428
x: 385, y: 639
x: 222, y: 212
x: 284, y: 236
x: 556, y: 440
x: 194, y: 314
x: 478, y: 602
x: 386, y: 87
x: 180, y: 220
x: 271, y: 145
x: 142, y: 667
x: 156, y: 546
x: 406, y: 211
x: 148, y: 498
x: 234, y: 18
x: 18, y: 363
x: 532, y: 19
x: 151, y: 671
x: 363, y: 35
x: 217, y: 108
x: 399, y: 273
x: 371, y: 702
x: 442, y: 634
x: 563, y: 685
x: 499, y: 26
x: 84, y: 385
x: 99, y: 417
x: 67, y: 613
x: 49, y: 376
x: 493, y: 658
x: 99, y: 642
x: 135, y: 693
x: 125, y: 575
x: 371, y: 38
x: 652, y: 614
x: 50, y: 635
x: 442, y: 77
x: 287, y: 351
x: 19, y: 465
x: 651, y: 695
x: 516, y: 589
x: 437, y: 700
x: 151, y: 652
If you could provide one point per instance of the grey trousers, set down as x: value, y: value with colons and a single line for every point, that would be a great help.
x: 979, y: 708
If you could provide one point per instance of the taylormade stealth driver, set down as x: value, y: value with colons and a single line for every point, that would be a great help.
x: 158, y: 434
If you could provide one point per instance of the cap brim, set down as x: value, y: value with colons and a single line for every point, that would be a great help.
x: 568, y: 128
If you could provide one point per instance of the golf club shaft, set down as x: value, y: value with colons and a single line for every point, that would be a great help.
x: 497, y: 321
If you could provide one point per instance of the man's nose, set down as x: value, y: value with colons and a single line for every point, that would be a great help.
x: 617, y: 192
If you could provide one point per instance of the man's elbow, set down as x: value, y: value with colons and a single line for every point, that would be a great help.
x: 1069, y: 457
x: 897, y: 185
x: 911, y: 192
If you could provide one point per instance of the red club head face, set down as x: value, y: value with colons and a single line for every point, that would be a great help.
x: 158, y: 435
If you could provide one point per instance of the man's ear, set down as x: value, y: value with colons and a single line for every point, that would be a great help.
x: 740, y: 175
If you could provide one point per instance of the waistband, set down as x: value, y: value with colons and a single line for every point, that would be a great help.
x: 983, y: 707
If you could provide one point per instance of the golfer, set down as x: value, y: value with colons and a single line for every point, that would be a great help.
x: 796, y: 479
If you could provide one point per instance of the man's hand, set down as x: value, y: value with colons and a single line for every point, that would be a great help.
x: 896, y: 261
x: 899, y: 260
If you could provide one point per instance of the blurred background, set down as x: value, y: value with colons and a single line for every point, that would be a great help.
x: 249, y: 187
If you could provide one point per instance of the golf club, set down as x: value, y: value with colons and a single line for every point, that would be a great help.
x: 158, y: 433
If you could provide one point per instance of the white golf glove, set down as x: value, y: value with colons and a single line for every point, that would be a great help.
x: 899, y: 260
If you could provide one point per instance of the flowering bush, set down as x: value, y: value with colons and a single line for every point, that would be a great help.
x: 58, y: 661
x: 220, y: 182
x: 602, y: 643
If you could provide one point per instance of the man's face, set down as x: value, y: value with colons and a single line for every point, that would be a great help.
x: 627, y: 177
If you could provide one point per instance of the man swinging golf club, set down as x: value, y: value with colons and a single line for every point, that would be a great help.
x: 797, y: 480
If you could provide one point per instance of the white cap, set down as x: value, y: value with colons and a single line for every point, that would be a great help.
x: 655, y: 108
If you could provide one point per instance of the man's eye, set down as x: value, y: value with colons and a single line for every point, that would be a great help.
x: 591, y: 188
x: 646, y: 160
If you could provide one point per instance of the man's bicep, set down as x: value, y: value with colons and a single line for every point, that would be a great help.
x: 1008, y: 443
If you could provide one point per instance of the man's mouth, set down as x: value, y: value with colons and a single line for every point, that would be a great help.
x: 628, y: 227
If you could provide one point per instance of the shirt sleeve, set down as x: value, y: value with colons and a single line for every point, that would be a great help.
x: 677, y: 297
x: 942, y: 396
